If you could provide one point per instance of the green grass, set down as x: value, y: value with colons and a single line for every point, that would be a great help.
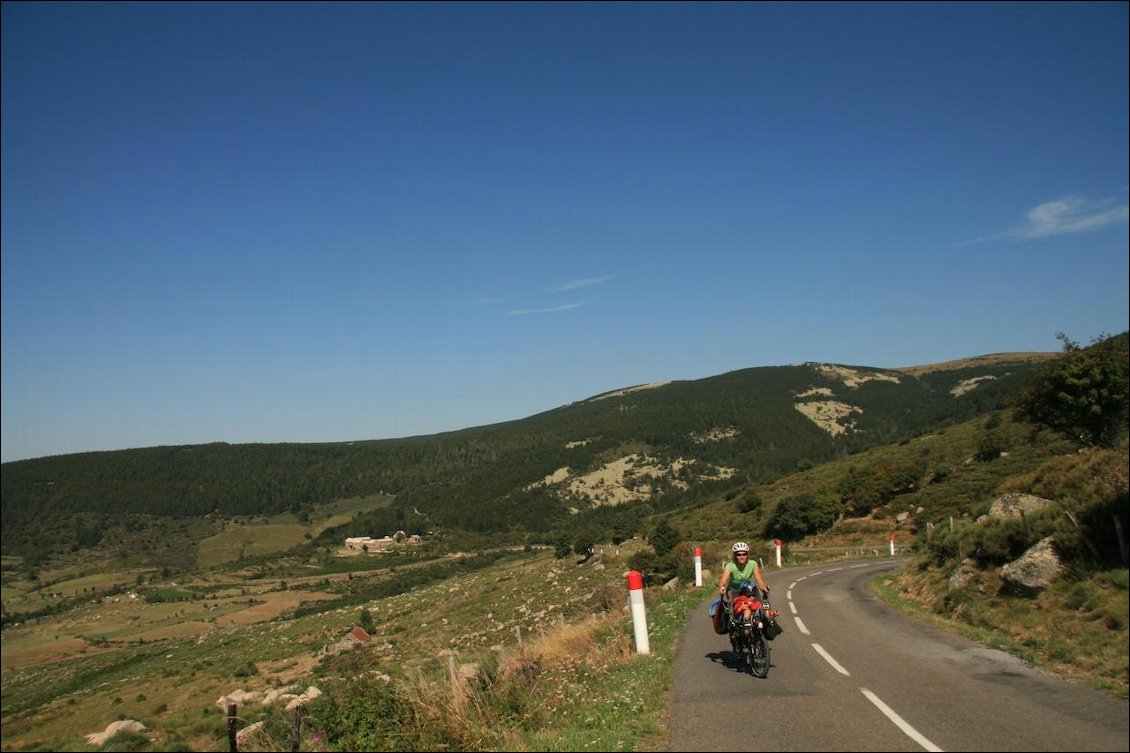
x: 568, y: 617
x: 236, y: 542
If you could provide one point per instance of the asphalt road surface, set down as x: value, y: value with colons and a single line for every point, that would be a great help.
x: 851, y: 674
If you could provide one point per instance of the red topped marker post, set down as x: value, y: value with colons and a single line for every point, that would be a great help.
x: 639, y: 616
x: 698, y: 567
x: 777, y: 544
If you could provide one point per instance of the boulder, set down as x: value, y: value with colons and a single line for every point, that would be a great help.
x: 277, y: 694
x: 1016, y: 504
x: 961, y: 576
x: 1034, y: 570
x: 246, y: 736
x: 310, y: 694
x: 239, y: 697
x: 98, y: 739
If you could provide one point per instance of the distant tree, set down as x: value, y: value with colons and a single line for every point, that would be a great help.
x: 749, y: 501
x: 561, y: 547
x: 796, y: 517
x: 1084, y: 393
x: 582, y: 545
x: 664, y: 538
x: 643, y: 561
x: 366, y: 621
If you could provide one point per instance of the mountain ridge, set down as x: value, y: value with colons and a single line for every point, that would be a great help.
x: 484, y: 478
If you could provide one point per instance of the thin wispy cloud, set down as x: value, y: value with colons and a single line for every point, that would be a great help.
x: 487, y: 301
x: 550, y: 310
x: 574, y: 284
x: 1071, y: 214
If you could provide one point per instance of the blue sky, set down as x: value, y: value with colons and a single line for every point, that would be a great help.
x: 320, y: 222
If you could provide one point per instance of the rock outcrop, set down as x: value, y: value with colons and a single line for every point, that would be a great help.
x: 1034, y: 570
x: 1017, y: 504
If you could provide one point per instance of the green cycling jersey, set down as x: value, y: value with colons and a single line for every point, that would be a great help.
x: 737, y: 575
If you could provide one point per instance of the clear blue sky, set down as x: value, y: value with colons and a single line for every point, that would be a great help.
x: 319, y: 222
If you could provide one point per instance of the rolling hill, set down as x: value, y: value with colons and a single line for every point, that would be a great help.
x: 606, y: 461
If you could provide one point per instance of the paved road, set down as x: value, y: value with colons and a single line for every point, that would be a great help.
x: 851, y: 674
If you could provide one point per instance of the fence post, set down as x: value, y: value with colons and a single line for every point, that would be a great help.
x: 295, y: 742
x: 639, y: 616
x: 231, y: 728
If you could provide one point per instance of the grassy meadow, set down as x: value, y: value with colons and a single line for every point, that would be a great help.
x: 525, y: 619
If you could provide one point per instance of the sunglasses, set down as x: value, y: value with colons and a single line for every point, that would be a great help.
x: 741, y: 554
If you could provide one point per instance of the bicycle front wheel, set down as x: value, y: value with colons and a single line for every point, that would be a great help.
x: 759, y: 657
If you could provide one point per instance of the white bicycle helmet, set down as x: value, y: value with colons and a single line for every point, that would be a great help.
x: 741, y: 546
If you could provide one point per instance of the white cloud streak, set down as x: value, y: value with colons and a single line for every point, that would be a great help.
x: 550, y: 310
x: 1071, y: 214
x: 574, y: 284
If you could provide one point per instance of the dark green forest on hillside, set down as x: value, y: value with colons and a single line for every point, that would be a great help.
x: 480, y: 479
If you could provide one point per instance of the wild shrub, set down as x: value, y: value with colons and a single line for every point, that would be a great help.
x: 1001, y: 541
x: 990, y: 446
x: 945, y: 545
x: 247, y: 670
x: 1119, y: 579
x: 366, y: 715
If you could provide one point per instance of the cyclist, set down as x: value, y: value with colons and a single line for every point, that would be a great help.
x: 739, y: 572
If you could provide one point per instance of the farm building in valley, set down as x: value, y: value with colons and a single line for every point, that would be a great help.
x: 369, y: 544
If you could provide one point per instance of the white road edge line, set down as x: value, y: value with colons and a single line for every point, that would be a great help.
x: 792, y: 606
x: 789, y: 594
x: 909, y: 731
x: 828, y: 658
x: 800, y: 626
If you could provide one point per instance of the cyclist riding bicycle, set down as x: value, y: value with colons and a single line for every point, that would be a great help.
x: 739, y: 572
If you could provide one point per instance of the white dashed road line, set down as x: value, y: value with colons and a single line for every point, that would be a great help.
x: 828, y: 658
x: 909, y: 731
x: 887, y: 711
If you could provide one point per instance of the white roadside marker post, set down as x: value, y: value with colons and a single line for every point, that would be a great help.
x: 892, y: 540
x: 698, y: 567
x: 639, y: 617
x: 777, y: 544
